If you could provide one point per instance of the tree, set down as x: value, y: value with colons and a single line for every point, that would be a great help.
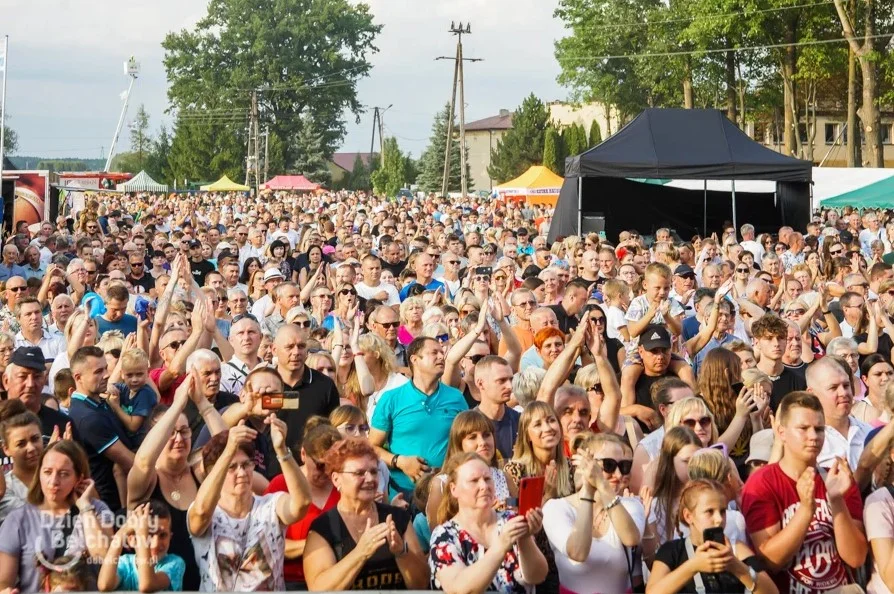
x: 522, y: 145
x: 431, y: 165
x: 551, y: 151
x: 157, y: 161
x: 575, y: 140
x: 311, y: 158
x: 303, y: 57
x: 203, y: 151
x: 10, y: 141
x: 358, y: 178
x: 126, y: 162
x: 392, y: 175
x: 595, y: 134
x: 140, y: 139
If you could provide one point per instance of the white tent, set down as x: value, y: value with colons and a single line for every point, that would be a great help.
x: 141, y: 182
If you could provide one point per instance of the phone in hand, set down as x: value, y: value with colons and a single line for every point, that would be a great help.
x: 714, y: 535
x: 484, y: 270
x: 530, y: 493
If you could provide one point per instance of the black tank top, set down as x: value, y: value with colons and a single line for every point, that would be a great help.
x: 181, y: 542
x: 381, y: 571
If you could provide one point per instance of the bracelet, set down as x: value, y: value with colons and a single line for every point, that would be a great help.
x: 284, y: 458
x: 404, y: 552
x: 614, y: 502
x: 394, y: 461
x: 825, y: 313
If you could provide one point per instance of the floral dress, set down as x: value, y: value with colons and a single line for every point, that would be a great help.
x: 450, y: 545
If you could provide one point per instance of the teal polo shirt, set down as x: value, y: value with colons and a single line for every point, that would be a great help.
x: 417, y: 424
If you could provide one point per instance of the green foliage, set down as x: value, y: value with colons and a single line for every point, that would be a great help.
x: 140, y: 138
x: 358, y: 178
x: 60, y: 165
x: 575, y: 140
x: 392, y: 175
x: 201, y: 152
x: 311, y: 158
x: 595, y: 134
x: 305, y: 58
x: 157, y: 165
x: 552, y: 148
x: 126, y: 162
x: 431, y: 164
x: 522, y: 145
x: 10, y: 141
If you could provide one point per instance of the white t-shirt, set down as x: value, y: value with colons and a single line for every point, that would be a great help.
x: 878, y: 517
x: 368, y: 292
x: 605, y: 569
x: 395, y: 380
x: 246, y: 554
x: 615, y: 319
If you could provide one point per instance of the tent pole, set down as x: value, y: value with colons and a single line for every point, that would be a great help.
x: 580, y: 205
x: 734, y: 205
x: 705, y: 224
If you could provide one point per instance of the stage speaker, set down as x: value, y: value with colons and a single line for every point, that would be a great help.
x: 592, y: 224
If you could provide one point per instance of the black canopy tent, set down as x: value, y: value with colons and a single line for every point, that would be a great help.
x: 666, y: 144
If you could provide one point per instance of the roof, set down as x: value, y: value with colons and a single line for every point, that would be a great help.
x: 346, y: 160
x: 685, y: 144
x: 225, y: 184
x: 497, y: 122
x: 290, y: 182
x: 536, y: 180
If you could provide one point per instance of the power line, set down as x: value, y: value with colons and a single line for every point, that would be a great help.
x: 727, y: 49
x: 743, y: 12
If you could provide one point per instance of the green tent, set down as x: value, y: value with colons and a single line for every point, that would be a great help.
x: 877, y: 195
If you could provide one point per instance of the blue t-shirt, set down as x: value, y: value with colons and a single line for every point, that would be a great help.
x: 433, y: 285
x: 417, y: 424
x: 126, y: 325
x: 138, y: 404
x: 129, y: 578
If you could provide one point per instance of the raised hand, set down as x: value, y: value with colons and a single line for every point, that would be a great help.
x: 745, y: 404
x: 373, y: 537
x: 395, y: 541
x: 278, y: 432
x: 806, y: 488
x: 645, y: 495
x: 240, y: 434
x: 839, y: 479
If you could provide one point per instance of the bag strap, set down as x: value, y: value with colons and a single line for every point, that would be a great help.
x: 237, y: 369
x: 67, y: 529
x: 634, y: 433
x: 697, y: 578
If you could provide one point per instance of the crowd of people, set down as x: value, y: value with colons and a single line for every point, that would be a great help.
x: 224, y: 392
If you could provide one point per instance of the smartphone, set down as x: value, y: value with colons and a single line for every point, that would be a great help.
x: 484, y: 270
x: 714, y: 535
x: 278, y: 401
x: 530, y: 494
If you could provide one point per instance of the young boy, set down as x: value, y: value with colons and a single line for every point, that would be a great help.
x: 137, y: 394
x: 63, y: 388
x: 617, y: 300
x: 150, y: 568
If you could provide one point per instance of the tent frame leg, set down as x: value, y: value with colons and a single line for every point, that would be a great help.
x: 580, y: 204
x: 735, y: 226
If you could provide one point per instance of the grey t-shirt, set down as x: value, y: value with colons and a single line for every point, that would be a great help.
x: 16, y: 495
x: 30, y: 535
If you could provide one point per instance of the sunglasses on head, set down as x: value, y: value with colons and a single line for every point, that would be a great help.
x: 610, y: 465
x: 691, y: 423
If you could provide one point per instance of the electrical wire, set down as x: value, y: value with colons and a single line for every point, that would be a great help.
x: 725, y: 50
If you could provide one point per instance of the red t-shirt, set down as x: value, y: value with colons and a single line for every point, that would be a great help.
x: 771, y: 497
x: 167, y: 396
x: 293, y: 569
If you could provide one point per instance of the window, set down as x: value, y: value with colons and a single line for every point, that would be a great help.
x: 831, y: 133
x: 886, y: 133
x: 802, y: 133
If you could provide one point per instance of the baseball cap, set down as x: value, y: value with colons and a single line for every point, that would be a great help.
x: 683, y: 270
x: 760, y: 446
x: 195, y: 243
x: 273, y: 273
x: 655, y: 336
x: 29, y: 357
x: 223, y: 245
x: 846, y: 237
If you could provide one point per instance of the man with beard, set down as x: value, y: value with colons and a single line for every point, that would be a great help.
x: 102, y: 434
x: 654, y: 349
x: 493, y: 377
x: 828, y: 379
x: 415, y: 419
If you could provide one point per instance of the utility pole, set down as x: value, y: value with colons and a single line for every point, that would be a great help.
x: 372, y: 141
x: 252, y: 162
x: 458, y: 80
x: 266, y: 152
x: 378, y: 124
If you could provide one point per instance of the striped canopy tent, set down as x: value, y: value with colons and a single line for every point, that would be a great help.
x: 141, y: 182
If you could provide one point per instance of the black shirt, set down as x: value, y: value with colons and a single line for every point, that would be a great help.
x: 380, y: 572
x: 146, y: 283
x: 788, y: 381
x: 566, y: 323
x: 316, y: 394
x: 395, y: 268
x: 195, y: 420
x: 644, y: 389
x: 200, y: 270
x: 673, y: 554
x: 50, y: 418
x: 506, y: 431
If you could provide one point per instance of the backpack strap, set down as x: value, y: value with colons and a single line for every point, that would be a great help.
x: 697, y: 578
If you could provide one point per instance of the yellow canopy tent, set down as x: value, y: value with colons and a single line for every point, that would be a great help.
x: 225, y: 184
x: 537, y: 185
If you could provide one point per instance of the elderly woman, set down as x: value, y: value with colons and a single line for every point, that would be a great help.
x: 551, y: 293
x: 361, y: 544
x: 29, y: 535
x: 323, y: 494
x: 411, y: 320
x: 239, y: 537
x: 161, y: 469
x: 477, y: 549
x: 345, y: 308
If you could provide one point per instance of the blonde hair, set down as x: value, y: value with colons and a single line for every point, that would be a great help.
x: 76, y: 315
x: 681, y: 408
x: 709, y: 463
x: 523, y: 452
x: 407, y: 303
x: 587, y: 377
x: 754, y: 376
x: 658, y: 269
x: 613, y: 288
x: 691, y: 491
x: 449, y: 505
x: 110, y: 341
x: 435, y: 330
x: 134, y: 357
x: 375, y: 344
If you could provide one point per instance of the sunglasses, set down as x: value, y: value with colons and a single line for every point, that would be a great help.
x: 691, y: 423
x: 17, y: 289
x: 835, y: 252
x: 176, y: 344
x: 302, y: 323
x: 347, y: 292
x: 475, y: 358
x: 742, y: 270
x: 388, y: 324
x: 610, y: 465
x: 140, y: 264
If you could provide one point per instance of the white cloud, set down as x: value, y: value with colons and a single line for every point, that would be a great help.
x: 66, y: 61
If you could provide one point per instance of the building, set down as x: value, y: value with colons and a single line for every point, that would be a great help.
x: 483, y: 135
x: 341, y: 165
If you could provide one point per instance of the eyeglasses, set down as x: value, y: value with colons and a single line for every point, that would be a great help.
x: 361, y: 474
x: 596, y: 388
x: 529, y: 303
x: 88, y: 271
x: 442, y: 338
x: 175, y: 344
x: 247, y: 466
x: 691, y: 423
x: 353, y: 429
x: 302, y: 323
x: 324, y: 295
x: 140, y: 264
x: 796, y: 312
x: 452, y: 262
x: 185, y: 433
x: 347, y: 292
x: 610, y: 465
x: 742, y: 270
x: 388, y: 324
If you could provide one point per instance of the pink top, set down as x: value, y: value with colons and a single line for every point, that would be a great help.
x: 403, y: 335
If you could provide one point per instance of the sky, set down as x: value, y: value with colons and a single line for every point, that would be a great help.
x: 66, y: 71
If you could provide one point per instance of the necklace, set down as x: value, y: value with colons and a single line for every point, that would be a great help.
x: 175, y: 494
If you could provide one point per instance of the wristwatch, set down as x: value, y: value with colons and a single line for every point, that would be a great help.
x: 405, y: 550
